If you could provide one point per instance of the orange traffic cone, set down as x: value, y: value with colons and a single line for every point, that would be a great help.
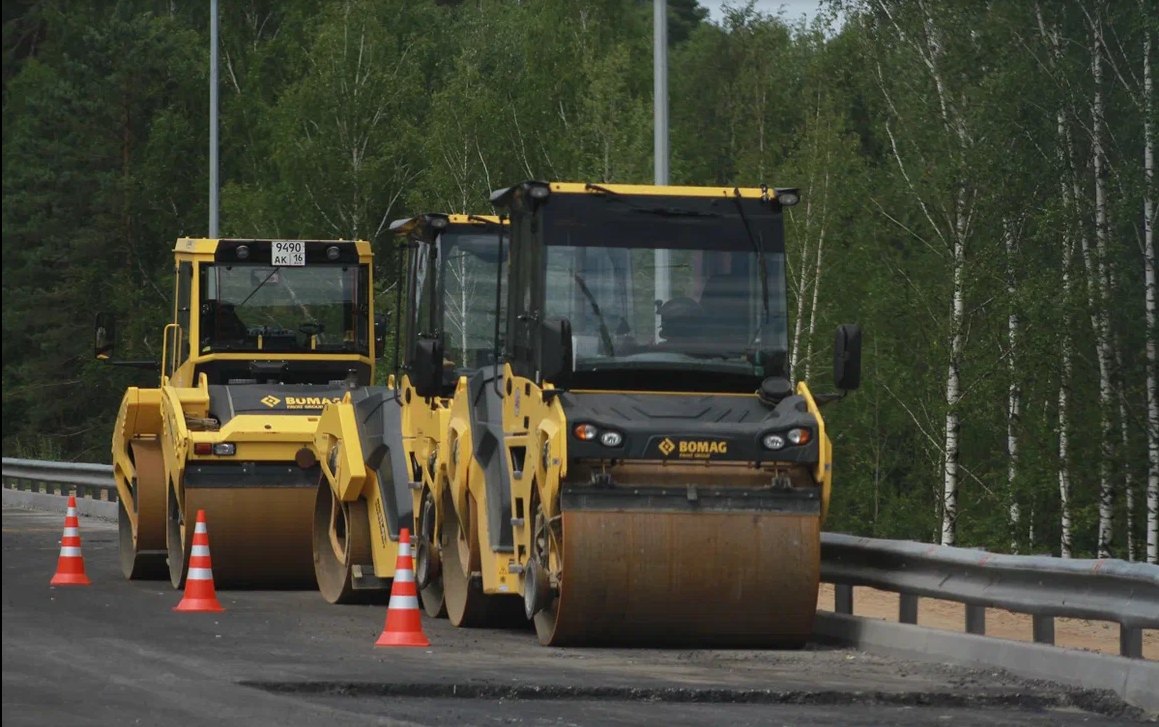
x: 404, y: 625
x: 200, y: 594
x: 70, y: 567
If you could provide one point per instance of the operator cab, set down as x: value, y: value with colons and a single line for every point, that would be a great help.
x: 664, y: 289
x: 452, y: 265
x: 268, y: 312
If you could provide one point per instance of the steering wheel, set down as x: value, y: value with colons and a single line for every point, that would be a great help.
x: 310, y: 328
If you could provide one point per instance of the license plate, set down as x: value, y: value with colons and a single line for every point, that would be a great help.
x: 289, y: 253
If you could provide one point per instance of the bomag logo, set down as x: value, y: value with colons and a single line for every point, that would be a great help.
x: 300, y: 402
x: 693, y: 448
x: 310, y: 402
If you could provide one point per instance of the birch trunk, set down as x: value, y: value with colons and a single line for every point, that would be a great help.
x: 1096, y: 293
x: 802, y: 288
x: 813, y: 305
x: 1070, y: 197
x: 1066, y: 548
x: 954, y: 384
x: 1128, y: 476
x: 1149, y: 283
x: 1014, y: 393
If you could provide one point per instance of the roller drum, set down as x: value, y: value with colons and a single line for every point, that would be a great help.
x: 704, y: 579
x: 258, y: 536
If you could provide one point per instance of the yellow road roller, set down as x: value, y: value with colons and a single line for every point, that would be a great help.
x: 263, y: 334
x: 638, y: 468
x: 379, y: 448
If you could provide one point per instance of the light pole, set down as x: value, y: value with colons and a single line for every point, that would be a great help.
x: 213, y: 182
x: 660, y: 132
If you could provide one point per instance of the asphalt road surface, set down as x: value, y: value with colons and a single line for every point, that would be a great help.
x: 115, y: 653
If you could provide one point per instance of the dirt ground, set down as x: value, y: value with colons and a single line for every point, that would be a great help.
x: 1072, y: 633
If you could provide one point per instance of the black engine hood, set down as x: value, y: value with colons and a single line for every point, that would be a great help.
x: 688, y: 427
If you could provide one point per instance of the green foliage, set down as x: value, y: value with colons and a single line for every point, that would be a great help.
x: 338, y: 116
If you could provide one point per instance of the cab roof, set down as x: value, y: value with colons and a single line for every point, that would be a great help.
x: 408, y: 225
x: 208, y: 246
x: 502, y: 197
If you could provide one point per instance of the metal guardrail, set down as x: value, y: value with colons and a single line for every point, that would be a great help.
x: 1105, y: 589
x: 62, y: 478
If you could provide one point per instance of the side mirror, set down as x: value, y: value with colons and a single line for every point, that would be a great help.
x: 381, y: 320
x: 847, y: 357
x: 106, y: 336
x: 426, y: 370
x: 555, y: 351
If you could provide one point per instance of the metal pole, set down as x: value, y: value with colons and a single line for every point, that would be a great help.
x: 213, y: 182
x: 660, y: 131
x: 660, y: 88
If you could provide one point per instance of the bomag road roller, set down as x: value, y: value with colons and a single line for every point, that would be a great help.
x: 263, y: 333
x: 379, y: 447
x: 638, y: 467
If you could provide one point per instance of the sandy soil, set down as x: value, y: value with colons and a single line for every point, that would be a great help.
x: 1072, y: 633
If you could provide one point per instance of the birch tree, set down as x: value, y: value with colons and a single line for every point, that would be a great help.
x: 1097, y: 289
x: 345, y: 130
x: 1149, y: 290
x: 947, y: 207
x: 1014, y: 391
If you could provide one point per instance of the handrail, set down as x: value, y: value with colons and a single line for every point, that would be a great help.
x: 1106, y: 589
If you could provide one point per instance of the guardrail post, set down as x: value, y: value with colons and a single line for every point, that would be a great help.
x: 1043, y: 629
x: 843, y: 599
x: 907, y: 609
x: 1130, y: 642
x: 975, y: 619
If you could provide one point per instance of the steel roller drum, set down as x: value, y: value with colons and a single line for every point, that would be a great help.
x: 258, y: 536
x: 697, y: 579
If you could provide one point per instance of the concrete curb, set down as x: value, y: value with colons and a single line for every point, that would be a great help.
x: 98, y: 509
x: 1136, y: 681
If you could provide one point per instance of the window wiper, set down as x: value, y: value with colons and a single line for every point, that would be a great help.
x: 255, y: 290
x: 604, y: 334
x: 637, y: 207
x: 672, y: 212
x: 761, y: 266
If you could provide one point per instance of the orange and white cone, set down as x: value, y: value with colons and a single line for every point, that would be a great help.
x: 404, y: 626
x: 70, y: 567
x: 200, y: 595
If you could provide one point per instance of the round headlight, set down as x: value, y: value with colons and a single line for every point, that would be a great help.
x: 243, y: 252
x: 773, y: 441
x: 611, y: 439
x: 539, y: 191
x: 799, y: 436
x: 332, y: 252
x: 586, y: 432
x: 788, y: 199
x: 439, y: 223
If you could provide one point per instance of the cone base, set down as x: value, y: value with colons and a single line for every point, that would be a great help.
x: 402, y: 638
x: 70, y: 579
x: 199, y: 604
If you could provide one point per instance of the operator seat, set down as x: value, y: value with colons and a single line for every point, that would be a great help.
x: 725, y: 300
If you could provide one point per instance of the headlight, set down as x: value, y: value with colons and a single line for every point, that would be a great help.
x: 611, y: 439
x: 773, y: 441
x: 332, y: 252
x: 539, y: 191
x: 242, y: 252
x: 225, y: 449
x: 799, y: 436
